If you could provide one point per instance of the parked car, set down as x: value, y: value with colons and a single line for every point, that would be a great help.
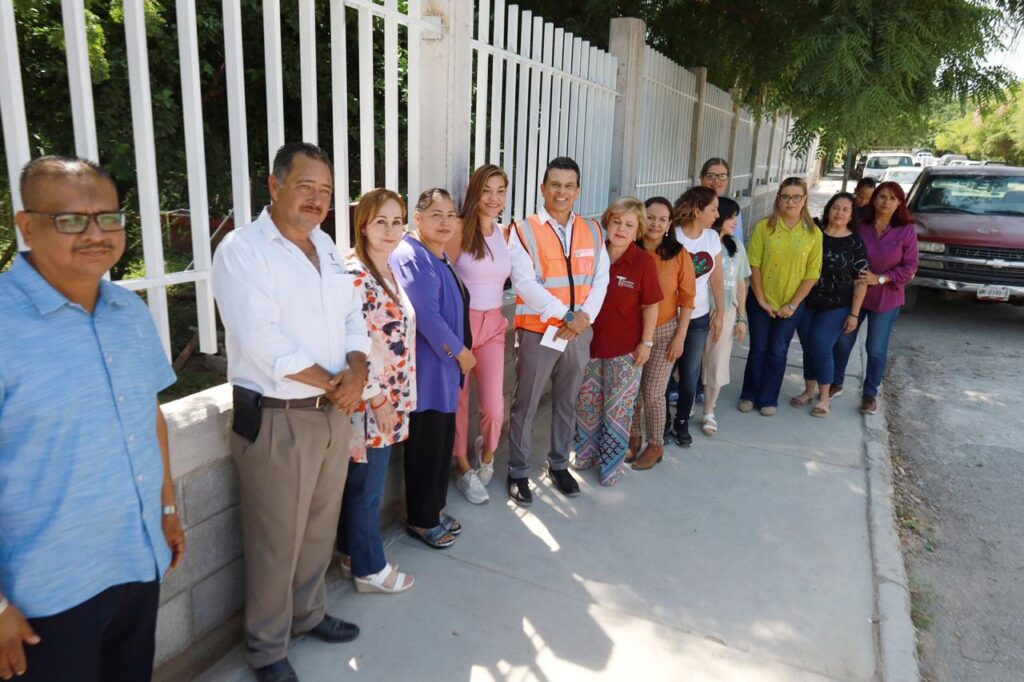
x: 878, y: 162
x: 947, y: 159
x: 970, y: 228
x: 925, y: 159
x: 903, y: 175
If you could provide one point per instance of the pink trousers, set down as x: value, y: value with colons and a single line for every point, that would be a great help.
x: 488, y: 328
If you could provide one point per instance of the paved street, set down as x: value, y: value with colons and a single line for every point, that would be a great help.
x: 955, y: 412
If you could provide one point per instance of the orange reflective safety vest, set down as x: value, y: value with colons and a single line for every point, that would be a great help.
x: 568, y: 278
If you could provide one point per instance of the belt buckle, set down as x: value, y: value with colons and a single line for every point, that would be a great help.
x: 316, y: 405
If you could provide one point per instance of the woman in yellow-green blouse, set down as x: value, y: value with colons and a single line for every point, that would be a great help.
x: 785, y: 262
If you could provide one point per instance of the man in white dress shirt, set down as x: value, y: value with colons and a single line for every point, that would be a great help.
x: 560, y: 274
x: 297, y: 345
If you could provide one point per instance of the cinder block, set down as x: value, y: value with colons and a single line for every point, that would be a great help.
x: 217, y: 597
x: 209, y: 546
x: 209, y: 491
x: 173, y: 627
x: 197, y: 427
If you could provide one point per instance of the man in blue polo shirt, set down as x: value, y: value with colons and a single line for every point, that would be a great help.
x: 87, y: 518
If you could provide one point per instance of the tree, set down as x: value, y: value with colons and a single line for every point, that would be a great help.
x: 994, y: 132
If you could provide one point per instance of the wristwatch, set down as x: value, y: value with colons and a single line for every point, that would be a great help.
x: 882, y: 279
x: 649, y: 344
x: 569, y: 317
x: 169, y: 510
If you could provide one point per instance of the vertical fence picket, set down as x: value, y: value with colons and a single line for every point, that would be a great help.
x: 79, y: 79
x: 564, y: 99
x: 558, y: 49
x: 574, y: 97
x: 520, y: 187
x: 532, y: 118
x: 544, y: 131
x: 480, y: 112
x: 307, y: 70
x: 12, y: 107
x: 275, y: 81
x: 413, y: 85
x: 239, y: 144
x: 391, y: 96
x: 367, y: 127
x: 339, y: 122
x: 508, y: 155
x: 497, y: 76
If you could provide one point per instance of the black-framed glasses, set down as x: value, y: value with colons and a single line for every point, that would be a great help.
x: 77, y: 223
x: 717, y: 177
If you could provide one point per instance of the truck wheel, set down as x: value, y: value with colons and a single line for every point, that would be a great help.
x: 911, y: 294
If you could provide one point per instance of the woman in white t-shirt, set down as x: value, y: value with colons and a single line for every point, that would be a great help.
x: 693, y: 215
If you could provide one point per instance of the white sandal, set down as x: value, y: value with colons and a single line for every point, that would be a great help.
x: 346, y: 569
x: 375, y: 582
x: 709, y: 426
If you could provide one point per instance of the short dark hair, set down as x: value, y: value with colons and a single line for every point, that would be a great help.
x: 562, y: 163
x: 52, y: 167
x: 854, y: 214
x: 285, y: 158
x: 866, y: 182
x: 715, y: 161
x: 727, y: 208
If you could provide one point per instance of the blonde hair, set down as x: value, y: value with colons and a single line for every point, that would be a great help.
x: 625, y: 205
x: 805, y: 215
x: 368, y: 208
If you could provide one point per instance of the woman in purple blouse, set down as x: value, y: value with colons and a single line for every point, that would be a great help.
x: 890, y: 237
x: 443, y: 357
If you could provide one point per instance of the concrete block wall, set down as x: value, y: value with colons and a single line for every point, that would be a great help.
x: 208, y: 589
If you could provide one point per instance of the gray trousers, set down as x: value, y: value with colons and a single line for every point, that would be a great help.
x: 292, y: 479
x: 535, y: 364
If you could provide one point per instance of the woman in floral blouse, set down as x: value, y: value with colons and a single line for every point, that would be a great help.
x: 390, y: 393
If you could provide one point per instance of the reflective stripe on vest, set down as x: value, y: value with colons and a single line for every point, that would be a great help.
x: 570, y: 287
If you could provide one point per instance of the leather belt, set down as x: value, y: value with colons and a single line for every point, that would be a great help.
x: 315, y: 403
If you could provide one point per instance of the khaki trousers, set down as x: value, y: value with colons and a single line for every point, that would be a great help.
x: 292, y: 479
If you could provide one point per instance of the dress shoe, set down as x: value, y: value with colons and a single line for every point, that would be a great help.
x: 519, y: 491
x: 564, y: 481
x: 651, y: 455
x: 333, y: 630
x: 634, y: 448
x: 278, y: 671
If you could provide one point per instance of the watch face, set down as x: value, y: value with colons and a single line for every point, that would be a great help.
x: 569, y: 317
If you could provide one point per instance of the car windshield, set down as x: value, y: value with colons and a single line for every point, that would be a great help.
x: 889, y: 161
x: 981, y: 194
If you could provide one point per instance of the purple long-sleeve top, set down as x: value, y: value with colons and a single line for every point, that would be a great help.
x: 437, y: 299
x: 894, y: 255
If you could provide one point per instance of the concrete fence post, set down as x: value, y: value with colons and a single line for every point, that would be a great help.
x: 701, y: 72
x: 446, y: 63
x: 771, y: 149
x: 734, y: 129
x: 627, y: 42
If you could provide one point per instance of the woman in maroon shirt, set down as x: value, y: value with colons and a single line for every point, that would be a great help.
x: 890, y: 238
x: 623, y: 337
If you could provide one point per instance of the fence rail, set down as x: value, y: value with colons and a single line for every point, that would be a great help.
x: 483, y: 82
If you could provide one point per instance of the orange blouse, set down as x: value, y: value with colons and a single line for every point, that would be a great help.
x: 678, y: 284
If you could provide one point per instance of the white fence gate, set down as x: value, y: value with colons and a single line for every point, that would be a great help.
x: 485, y: 81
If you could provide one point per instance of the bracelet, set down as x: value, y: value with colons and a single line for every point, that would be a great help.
x: 741, y: 319
x: 4, y: 604
x: 854, y: 315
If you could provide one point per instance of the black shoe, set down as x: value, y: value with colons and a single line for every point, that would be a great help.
x: 564, y: 481
x: 278, y: 671
x: 683, y: 437
x: 333, y: 629
x: 519, y: 491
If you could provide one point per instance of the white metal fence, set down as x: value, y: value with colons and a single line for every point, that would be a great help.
x: 485, y: 81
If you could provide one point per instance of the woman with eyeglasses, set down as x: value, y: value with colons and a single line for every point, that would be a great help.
x: 890, y: 238
x: 716, y: 174
x: 390, y: 394
x: 481, y: 257
x: 785, y: 262
x: 443, y: 358
x: 693, y: 215
x: 718, y: 354
x: 834, y: 304
x: 678, y: 287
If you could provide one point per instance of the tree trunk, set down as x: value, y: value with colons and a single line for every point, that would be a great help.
x: 847, y: 167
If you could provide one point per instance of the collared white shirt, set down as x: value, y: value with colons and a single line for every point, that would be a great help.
x: 281, y: 315
x: 527, y: 285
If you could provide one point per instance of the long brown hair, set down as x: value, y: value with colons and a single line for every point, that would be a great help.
x: 472, y: 238
x: 367, y: 209
x: 690, y: 203
x: 805, y: 215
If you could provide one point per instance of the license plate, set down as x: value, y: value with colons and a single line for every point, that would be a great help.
x: 994, y: 293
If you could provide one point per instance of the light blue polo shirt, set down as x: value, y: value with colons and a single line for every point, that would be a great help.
x: 80, y: 465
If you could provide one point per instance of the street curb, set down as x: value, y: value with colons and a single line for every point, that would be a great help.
x: 897, y: 636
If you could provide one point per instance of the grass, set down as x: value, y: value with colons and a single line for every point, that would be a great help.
x: 922, y: 604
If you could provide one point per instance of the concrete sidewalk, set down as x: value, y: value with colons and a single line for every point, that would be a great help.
x: 746, y: 557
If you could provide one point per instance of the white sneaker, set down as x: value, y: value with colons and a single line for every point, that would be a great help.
x: 470, y: 486
x: 485, y: 471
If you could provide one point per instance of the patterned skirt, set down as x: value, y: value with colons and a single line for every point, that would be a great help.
x: 604, y: 412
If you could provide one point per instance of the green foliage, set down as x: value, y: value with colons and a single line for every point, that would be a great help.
x: 993, y: 132
x: 854, y: 72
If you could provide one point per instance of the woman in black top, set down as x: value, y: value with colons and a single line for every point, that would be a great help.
x: 834, y: 303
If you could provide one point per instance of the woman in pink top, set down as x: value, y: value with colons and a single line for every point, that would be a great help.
x: 482, y: 261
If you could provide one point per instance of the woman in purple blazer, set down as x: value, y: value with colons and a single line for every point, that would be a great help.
x: 443, y: 357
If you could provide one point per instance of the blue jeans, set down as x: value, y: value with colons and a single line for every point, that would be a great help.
x: 359, y: 526
x: 877, y: 346
x: 766, y: 361
x: 688, y: 365
x: 819, y: 331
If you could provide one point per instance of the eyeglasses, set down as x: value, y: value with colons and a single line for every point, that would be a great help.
x: 791, y: 198
x: 77, y: 223
x: 717, y: 177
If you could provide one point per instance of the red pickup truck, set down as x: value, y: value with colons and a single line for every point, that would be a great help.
x: 970, y: 227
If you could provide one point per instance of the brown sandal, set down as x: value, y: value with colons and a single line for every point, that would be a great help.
x: 819, y: 411
x: 800, y: 401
